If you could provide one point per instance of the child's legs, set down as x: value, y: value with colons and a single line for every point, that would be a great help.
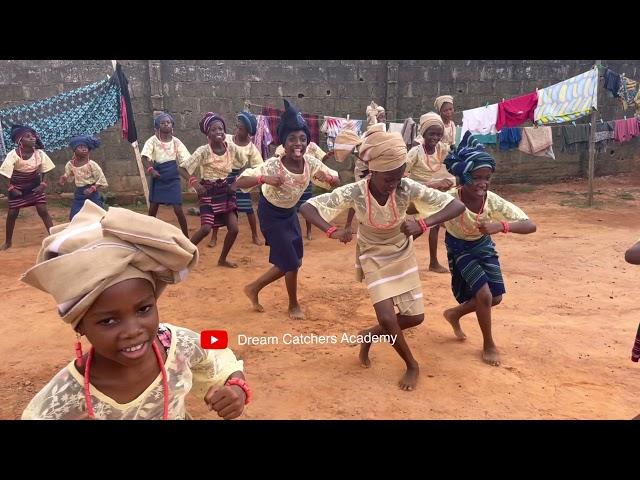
x: 153, y: 209
x: 308, y: 229
x: 253, y: 289
x: 484, y: 301
x: 200, y: 234
x: 251, y: 218
x: 182, y: 220
x: 433, y: 250
x: 12, y: 215
x: 231, y: 221
x: 390, y: 324
x: 214, y: 237
x: 44, y: 215
x: 291, y: 280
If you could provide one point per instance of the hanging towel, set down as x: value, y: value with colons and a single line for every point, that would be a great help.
x: 409, y: 131
x: 537, y: 141
x: 509, y: 138
x: 516, y: 111
x: 568, y: 100
x: 574, y: 136
x: 487, y: 139
x: 396, y: 127
x: 481, y: 120
x: 262, y: 139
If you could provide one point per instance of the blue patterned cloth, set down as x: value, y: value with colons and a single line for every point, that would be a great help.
x: 89, y: 109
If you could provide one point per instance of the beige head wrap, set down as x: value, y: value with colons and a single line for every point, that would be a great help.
x: 429, y: 119
x: 346, y: 141
x: 98, y: 249
x: 441, y: 100
x: 384, y: 151
x: 372, y: 113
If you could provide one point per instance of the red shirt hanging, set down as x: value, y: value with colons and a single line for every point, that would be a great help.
x: 514, y: 112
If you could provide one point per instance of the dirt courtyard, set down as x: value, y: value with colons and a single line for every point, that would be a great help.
x: 565, y: 328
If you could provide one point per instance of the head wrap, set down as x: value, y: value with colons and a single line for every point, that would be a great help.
x: 160, y: 118
x: 383, y: 151
x: 470, y: 155
x: 208, y: 119
x: 17, y: 131
x: 250, y: 122
x: 428, y: 120
x: 441, y: 100
x: 98, y: 249
x: 91, y: 142
x: 291, y: 121
x: 346, y: 141
x: 372, y: 113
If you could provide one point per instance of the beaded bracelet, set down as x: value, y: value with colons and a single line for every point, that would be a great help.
x: 423, y: 225
x: 505, y: 226
x: 330, y: 231
x: 243, y: 385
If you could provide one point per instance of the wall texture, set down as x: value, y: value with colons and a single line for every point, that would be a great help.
x: 187, y: 88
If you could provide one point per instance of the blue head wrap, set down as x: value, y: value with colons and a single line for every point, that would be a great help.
x: 469, y: 156
x: 291, y: 121
x: 160, y: 118
x: 250, y: 121
x: 91, y: 142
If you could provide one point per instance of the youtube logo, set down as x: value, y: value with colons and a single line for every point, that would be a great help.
x: 214, y: 339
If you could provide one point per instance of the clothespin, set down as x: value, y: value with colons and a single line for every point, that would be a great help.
x: 574, y: 124
x: 347, y: 116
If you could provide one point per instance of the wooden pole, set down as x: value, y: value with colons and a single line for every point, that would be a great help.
x: 592, y: 144
x: 136, y: 150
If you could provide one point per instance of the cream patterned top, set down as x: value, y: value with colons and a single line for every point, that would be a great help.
x: 369, y: 212
x: 214, y: 166
x: 465, y: 227
x: 189, y: 368
x: 422, y: 167
x: 449, y: 136
x: 159, y: 152
x: 86, y: 174
x: 287, y: 195
x: 246, y: 156
x: 39, y: 161
x: 312, y: 149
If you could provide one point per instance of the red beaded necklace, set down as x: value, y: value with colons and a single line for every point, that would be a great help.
x: 165, y: 383
x: 428, y: 164
x: 477, y: 220
x: 394, y: 210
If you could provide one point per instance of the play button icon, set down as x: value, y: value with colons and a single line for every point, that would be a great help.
x: 214, y: 339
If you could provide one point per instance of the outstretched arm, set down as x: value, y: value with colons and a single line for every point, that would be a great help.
x: 311, y: 215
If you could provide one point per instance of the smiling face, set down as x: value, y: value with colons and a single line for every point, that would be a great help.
x: 480, y: 181
x: 216, y: 132
x: 241, y: 130
x: 433, y: 135
x: 122, y: 322
x: 296, y: 144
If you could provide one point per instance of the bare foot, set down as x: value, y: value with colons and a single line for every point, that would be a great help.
x: 227, y: 263
x: 438, y: 268
x: 490, y: 355
x: 295, y: 312
x: 5, y: 246
x: 212, y: 243
x: 256, y: 241
x: 451, y: 317
x: 410, y: 378
x: 309, y: 236
x: 364, y: 352
x: 252, y: 293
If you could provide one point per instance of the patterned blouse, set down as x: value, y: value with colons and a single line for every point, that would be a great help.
x: 246, y: 155
x: 214, y: 166
x: 190, y: 368
x: 86, y: 174
x: 159, y: 152
x: 39, y: 161
x: 465, y: 227
x: 422, y: 167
